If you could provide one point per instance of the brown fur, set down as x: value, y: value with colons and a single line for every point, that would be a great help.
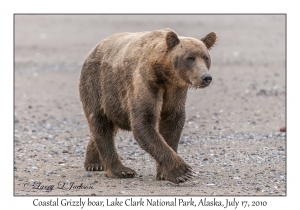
x: 138, y: 82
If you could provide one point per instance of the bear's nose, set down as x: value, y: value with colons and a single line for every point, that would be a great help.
x: 206, y: 79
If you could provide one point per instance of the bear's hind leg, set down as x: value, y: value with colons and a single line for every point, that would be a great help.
x: 92, y: 159
x: 103, y: 133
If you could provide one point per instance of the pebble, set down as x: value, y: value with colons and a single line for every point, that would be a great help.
x: 16, y: 120
x: 32, y: 182
x: 94, y: 182
x: 251, y: 136
x: 182, y: 141
x: 34, y: 168
x: 87, y: 174
x: 282, y: 178
x: 282, y: 129
x: 48, y: 173
x: 240, y: 181
x: 79, y: 151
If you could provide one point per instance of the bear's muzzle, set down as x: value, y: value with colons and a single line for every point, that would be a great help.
x: 206, y: 80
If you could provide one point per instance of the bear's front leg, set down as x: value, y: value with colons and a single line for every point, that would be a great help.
x: 145, y: 112
x: 170, y: 127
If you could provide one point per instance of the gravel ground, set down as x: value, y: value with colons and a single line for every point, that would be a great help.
x: 231, y: 136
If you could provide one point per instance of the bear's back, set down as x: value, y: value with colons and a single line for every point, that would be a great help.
x: 124, y: 47
x: 116, y: 60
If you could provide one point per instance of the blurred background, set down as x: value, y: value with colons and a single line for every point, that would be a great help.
x: 243, y: 39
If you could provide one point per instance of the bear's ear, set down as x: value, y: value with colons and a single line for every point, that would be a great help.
x: 209, y: 40
x: 172, y: 39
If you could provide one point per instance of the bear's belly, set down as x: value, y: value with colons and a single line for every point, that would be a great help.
x: 118, y: 116
x: 115, y: 88
x: 117, y: 113
x: 123, y: 126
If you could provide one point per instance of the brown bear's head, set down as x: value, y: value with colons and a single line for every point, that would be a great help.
x: 190, y: 58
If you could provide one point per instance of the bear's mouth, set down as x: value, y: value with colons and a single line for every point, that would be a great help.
x: 201, y: 86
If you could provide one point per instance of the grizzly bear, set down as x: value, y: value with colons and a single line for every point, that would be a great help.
x: 138, y: 82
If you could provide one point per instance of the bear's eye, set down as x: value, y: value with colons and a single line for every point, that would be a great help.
x: 191, y: 59
x: 205, y: 58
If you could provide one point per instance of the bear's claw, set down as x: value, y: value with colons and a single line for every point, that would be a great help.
x: 94, y: 167
x: 180, y: 174
x: 121, y: 172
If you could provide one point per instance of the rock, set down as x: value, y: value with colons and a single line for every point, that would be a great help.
x: 239, y: 181
x: 34, y: 168
x: 87, y: 174
x: 182, y: 141
x: 94, y: 182
x: 48, y: 173
x: 283, y: 129
x: 16, y: 120
x: 32, y: 182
